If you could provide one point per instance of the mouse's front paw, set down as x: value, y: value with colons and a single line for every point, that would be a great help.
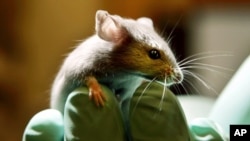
x: 95, y: 91
x: 96, y: 94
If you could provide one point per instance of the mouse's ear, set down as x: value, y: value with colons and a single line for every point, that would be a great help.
x: 108, y: 27
x: 146, y: 21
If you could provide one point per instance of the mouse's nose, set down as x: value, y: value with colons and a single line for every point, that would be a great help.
x: 174, y: 74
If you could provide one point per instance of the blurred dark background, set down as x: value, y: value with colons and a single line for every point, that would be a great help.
x: 36, y: 35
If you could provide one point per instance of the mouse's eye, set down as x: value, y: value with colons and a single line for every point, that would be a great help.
x: 154, y: 54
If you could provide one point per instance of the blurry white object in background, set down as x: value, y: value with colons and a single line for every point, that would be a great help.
x: 196, y: 106
x: 233, y: 106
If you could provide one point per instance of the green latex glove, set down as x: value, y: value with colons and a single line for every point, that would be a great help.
x: 151, y: 118
x: 82, y: 120
x: 204, y: 129
x: 46, y: 125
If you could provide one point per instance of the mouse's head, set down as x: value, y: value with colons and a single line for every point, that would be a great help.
x: 138, y: 49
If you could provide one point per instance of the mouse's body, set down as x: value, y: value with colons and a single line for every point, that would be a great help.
x: 120, y: 55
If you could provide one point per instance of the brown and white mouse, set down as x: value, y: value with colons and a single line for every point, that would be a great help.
x: 121, y: 54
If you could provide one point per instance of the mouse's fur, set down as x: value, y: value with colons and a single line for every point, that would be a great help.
x: 118, y: 57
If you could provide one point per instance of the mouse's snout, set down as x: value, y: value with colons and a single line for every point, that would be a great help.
x: 178, y: 75
x: 175, y: 75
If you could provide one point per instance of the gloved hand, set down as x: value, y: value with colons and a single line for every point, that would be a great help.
x: 151, y: 118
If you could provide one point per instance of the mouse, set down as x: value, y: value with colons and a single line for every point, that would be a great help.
x: 121, y: 54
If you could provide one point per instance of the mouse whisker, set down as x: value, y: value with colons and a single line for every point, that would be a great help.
x: 163, y: 30
x: 190, y: 83
x: 144, y: 90
x: 201, y: 56
x: 175, y: 85
x: 163, y: 93
x: 165, y: 85
x: 222, y: 71
x: 178, y: 90
x: 200, y: 79
x: 196, y: 76
x: 205, y: 66
x: 173, y: 29
x: 192, y: 65
x: 187, y: 85
x: 185, y: 89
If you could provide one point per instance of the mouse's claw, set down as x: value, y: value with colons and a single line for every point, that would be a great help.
x: 95, y: 91
x: 97, y: 96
